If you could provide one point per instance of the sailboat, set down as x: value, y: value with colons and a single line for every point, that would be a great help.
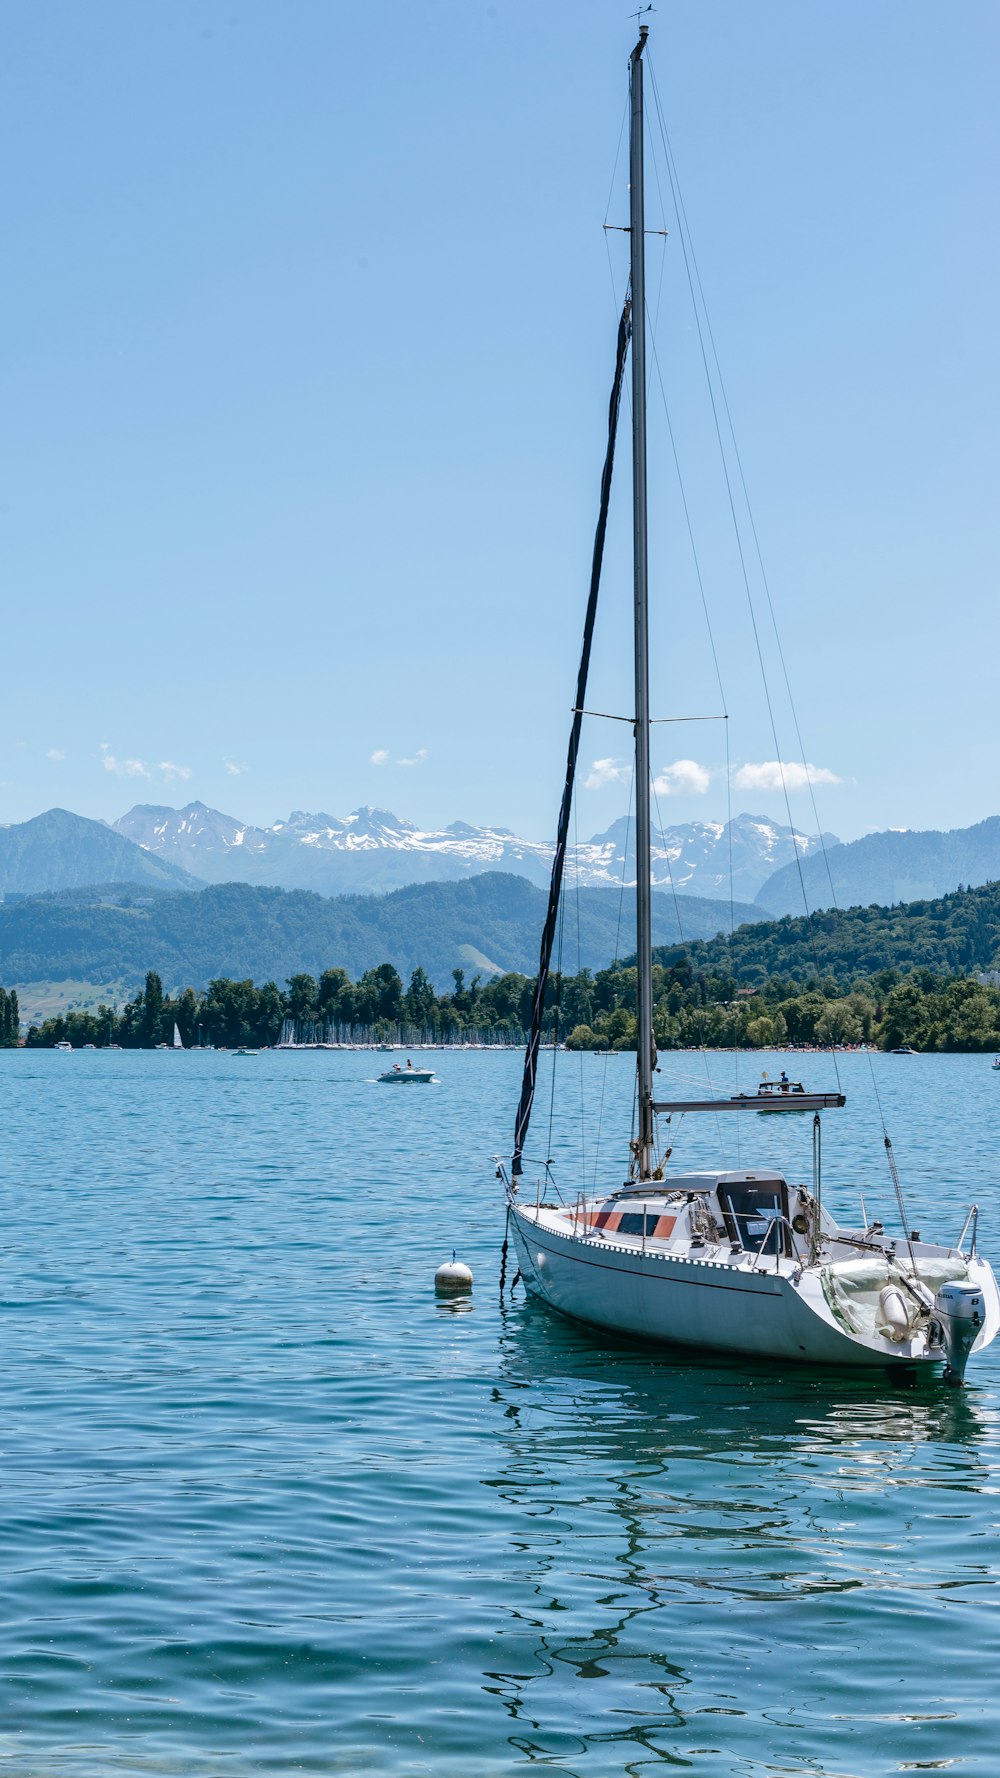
x: 741, y: 1261
x: 177, y: 1044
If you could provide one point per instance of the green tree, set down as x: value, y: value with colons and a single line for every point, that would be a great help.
x: 418, y: 1002
x: 301, y: 999
x: 385, y: 988
x: 151, y: 1016
x: 838, y: 1023
x: 335, y: 997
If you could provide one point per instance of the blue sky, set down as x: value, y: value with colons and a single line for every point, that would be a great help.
x: 308, y: 322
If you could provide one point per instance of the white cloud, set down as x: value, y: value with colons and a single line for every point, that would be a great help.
x: 171, y: 772
x: 233, y: 769
x: 380, y: 757
x: 124, y: 768
x: 684, y: 778
x: 607, y: 771
x: 54, y: 753
x: 787, y: 774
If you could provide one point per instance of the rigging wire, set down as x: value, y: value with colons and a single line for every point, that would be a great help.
x: 621, y: 136
x: 765, y: 583
x: 555, y: 1023
x: 653, y: 321
x: 687, y: 252
x: 618, y: 934
x: 579, y: 971
x: 711, y: 640
x: 687, y: 244
x: 680, y: 928
x: 732, y: 927
x: 701, y: 312
x: 607, y: 210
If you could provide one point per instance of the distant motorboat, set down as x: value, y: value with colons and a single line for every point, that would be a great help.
x: 905, y: 1049
x: 781, y: 1095
x: 396, y: 1075
x: 246, y: 1052
x: 996, y: 1064
x: 64, y: 1046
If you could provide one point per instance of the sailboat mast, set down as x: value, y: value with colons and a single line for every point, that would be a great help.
x: 643, y: 927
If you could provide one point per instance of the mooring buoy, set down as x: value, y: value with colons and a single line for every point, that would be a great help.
x: 452, y: 1276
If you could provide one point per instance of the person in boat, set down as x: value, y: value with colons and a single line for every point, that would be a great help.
x: 409, y: 1064
x: 396, y: 1069
x: 784, y: 1082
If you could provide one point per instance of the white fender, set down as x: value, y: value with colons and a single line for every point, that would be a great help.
x: 894, y: 1318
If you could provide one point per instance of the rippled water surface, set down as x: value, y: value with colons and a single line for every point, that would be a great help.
x: 269, y: 1507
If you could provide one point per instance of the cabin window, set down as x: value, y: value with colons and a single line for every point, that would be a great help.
x: 750, y: 1211
x: 633, y: 1222
x: 611, y: 1221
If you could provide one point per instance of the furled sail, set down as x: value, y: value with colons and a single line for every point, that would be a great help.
x: 549, y: 929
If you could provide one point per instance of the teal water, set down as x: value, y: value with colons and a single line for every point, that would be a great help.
x: 266, y: 1506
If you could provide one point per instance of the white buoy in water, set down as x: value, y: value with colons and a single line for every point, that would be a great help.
x: 453, y: 1276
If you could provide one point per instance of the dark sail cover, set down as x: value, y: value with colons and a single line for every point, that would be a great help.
x: 555, y: 886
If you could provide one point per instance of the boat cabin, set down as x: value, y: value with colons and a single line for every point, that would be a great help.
x: 748, y: 1212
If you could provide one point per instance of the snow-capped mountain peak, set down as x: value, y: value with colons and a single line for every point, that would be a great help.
x: 373, y: 849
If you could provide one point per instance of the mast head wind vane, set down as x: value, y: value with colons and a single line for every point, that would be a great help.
x: 643, y: 32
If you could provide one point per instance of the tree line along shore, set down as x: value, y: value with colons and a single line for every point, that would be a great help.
x: 694, y: 1007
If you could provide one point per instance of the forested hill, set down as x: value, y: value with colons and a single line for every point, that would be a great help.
x: 490, y: 923
x: 955, y: 935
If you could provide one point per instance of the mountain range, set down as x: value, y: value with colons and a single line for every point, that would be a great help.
x: 372, y: 850
x: 885, y: 868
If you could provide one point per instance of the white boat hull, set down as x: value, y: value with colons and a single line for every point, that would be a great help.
x: 675, y: 1300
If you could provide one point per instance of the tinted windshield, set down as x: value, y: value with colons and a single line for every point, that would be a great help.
x: 750, y: 1212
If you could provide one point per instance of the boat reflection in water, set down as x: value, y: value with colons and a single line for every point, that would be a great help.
x: 735, y: 1568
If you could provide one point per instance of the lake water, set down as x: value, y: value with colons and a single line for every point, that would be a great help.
x: 268, y: 1507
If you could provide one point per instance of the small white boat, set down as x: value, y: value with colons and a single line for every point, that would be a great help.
x: 66, y: 1048
x: 397, y: 1076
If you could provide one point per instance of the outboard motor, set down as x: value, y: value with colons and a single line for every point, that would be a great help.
x: 961, y: 1312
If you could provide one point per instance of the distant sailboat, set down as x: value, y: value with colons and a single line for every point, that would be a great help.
x: 177, y: 1044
